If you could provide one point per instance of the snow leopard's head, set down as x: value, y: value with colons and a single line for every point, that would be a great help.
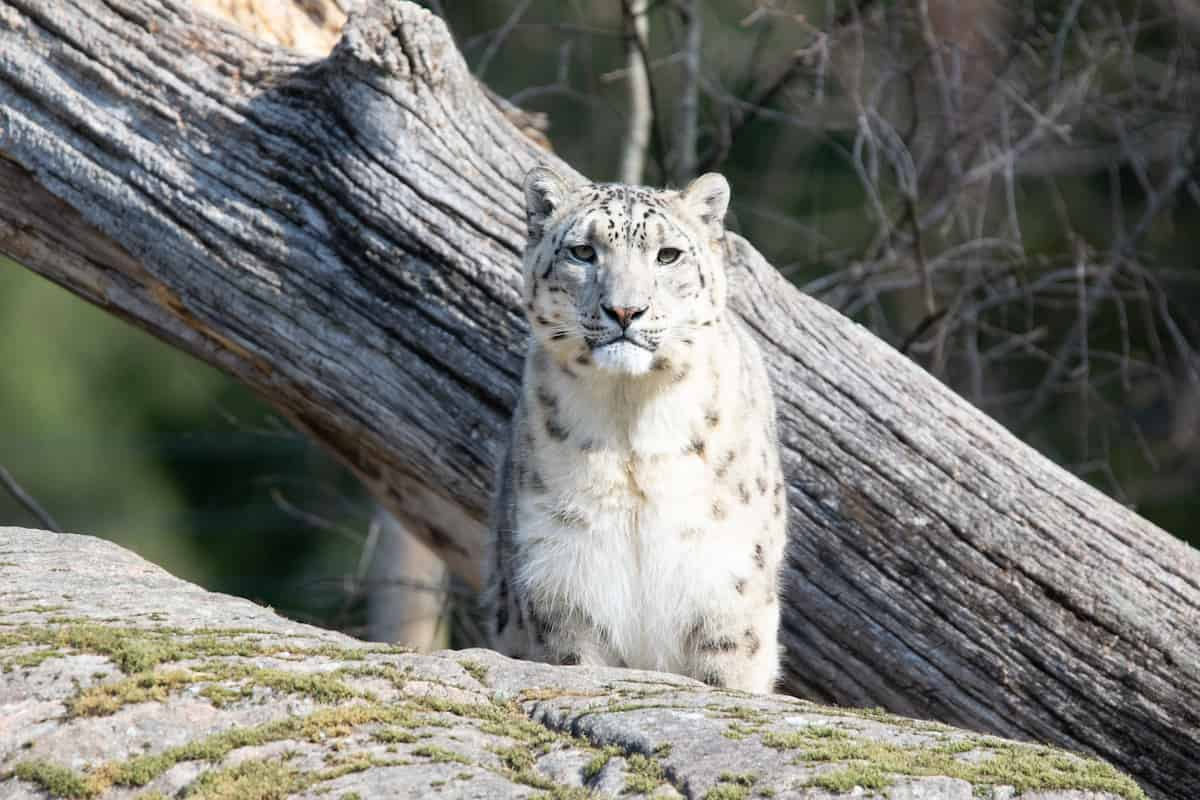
x: 621, y: 277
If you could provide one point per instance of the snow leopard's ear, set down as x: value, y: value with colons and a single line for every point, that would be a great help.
x: 545, y: 192
x: 708, y: 198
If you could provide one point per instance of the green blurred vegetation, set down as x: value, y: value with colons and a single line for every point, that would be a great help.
x: 120, y: 436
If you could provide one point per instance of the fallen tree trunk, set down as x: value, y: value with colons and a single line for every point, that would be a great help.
x: 343, y: 236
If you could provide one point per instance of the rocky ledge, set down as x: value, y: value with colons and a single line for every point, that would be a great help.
x: 118, y: 680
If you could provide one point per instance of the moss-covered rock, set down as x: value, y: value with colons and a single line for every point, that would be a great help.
x: 118, y: 679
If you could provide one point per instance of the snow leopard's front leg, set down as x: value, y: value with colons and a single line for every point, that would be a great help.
x: 517, y: 624
x: 560, y: 637
x: 737, y: 650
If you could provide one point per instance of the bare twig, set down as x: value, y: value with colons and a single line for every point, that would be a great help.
x: 314, y: 520
x: 657, y: 140
x: 687, y: 128
x: 498, y: 38
x: 852, y: 14
x: 27, y: 502
x: 922, y: 327
x: 637, y: 31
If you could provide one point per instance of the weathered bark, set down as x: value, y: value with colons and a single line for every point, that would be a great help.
x: 344, y: 235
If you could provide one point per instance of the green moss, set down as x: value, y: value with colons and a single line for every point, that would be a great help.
x: 222, y: 696
x: 530, y: 777
x: 324, y: 687
x: 350, y: 796
x: 566, y: 793
x: 520, y: 729
x: 341, y: 721
x: 59, y: 781
x: 386, y: 672
x: 739, y: 713
x: 136, y: 650
x: 439, y: 754
x: 517, y: 764
x: 132, y: 650
x: 320, y: 725
x: 30, y: 660
x: 879, y: 715
x: 476, y: 670
x: 645, y: 775
x: 746, y: 721
x: 548, y: 693
x: 394, y: 736
x: 516, y: 758
x: 802, y: 738
x: 356, y: 763
x: 847, y: 779
x: 1025, y: 767
x: 738, y: 732
x: 600, y: 761
x: 826, y: 732
x: 480, y: 711
x: 732, y: 786
x: 258, y: 779
x: 34, y: 609
x: 739, y: 778
x: 953, y: 747
x: 108, y: 698
x: 622, y: 708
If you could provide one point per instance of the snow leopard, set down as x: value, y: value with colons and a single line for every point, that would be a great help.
x: 640, y: 514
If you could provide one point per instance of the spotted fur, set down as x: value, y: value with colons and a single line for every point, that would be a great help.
x: 639, y: 518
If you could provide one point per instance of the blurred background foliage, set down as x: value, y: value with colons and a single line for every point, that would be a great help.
x: 116, y: 434
x: 1056, y: 286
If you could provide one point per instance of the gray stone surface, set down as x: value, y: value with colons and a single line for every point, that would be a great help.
x: 118, y: 680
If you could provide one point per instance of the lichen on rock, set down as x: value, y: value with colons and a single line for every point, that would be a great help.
x: 117, y: 679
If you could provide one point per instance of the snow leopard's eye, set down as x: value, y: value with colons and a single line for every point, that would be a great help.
x: 669, y: 255
x: 583, y: 252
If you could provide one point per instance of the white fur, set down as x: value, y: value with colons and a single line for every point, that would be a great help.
x: 652, y: 532
x: 632, y: 569
x: 623, y: 358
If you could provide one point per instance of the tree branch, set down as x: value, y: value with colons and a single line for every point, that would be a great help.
x: 637, y: 33
x: 26, y: 500
x: 689, y: 94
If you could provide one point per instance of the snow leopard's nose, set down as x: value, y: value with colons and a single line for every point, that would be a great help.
x: 624, y: 315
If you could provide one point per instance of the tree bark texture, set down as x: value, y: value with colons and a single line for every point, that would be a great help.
x: 344, y: 236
